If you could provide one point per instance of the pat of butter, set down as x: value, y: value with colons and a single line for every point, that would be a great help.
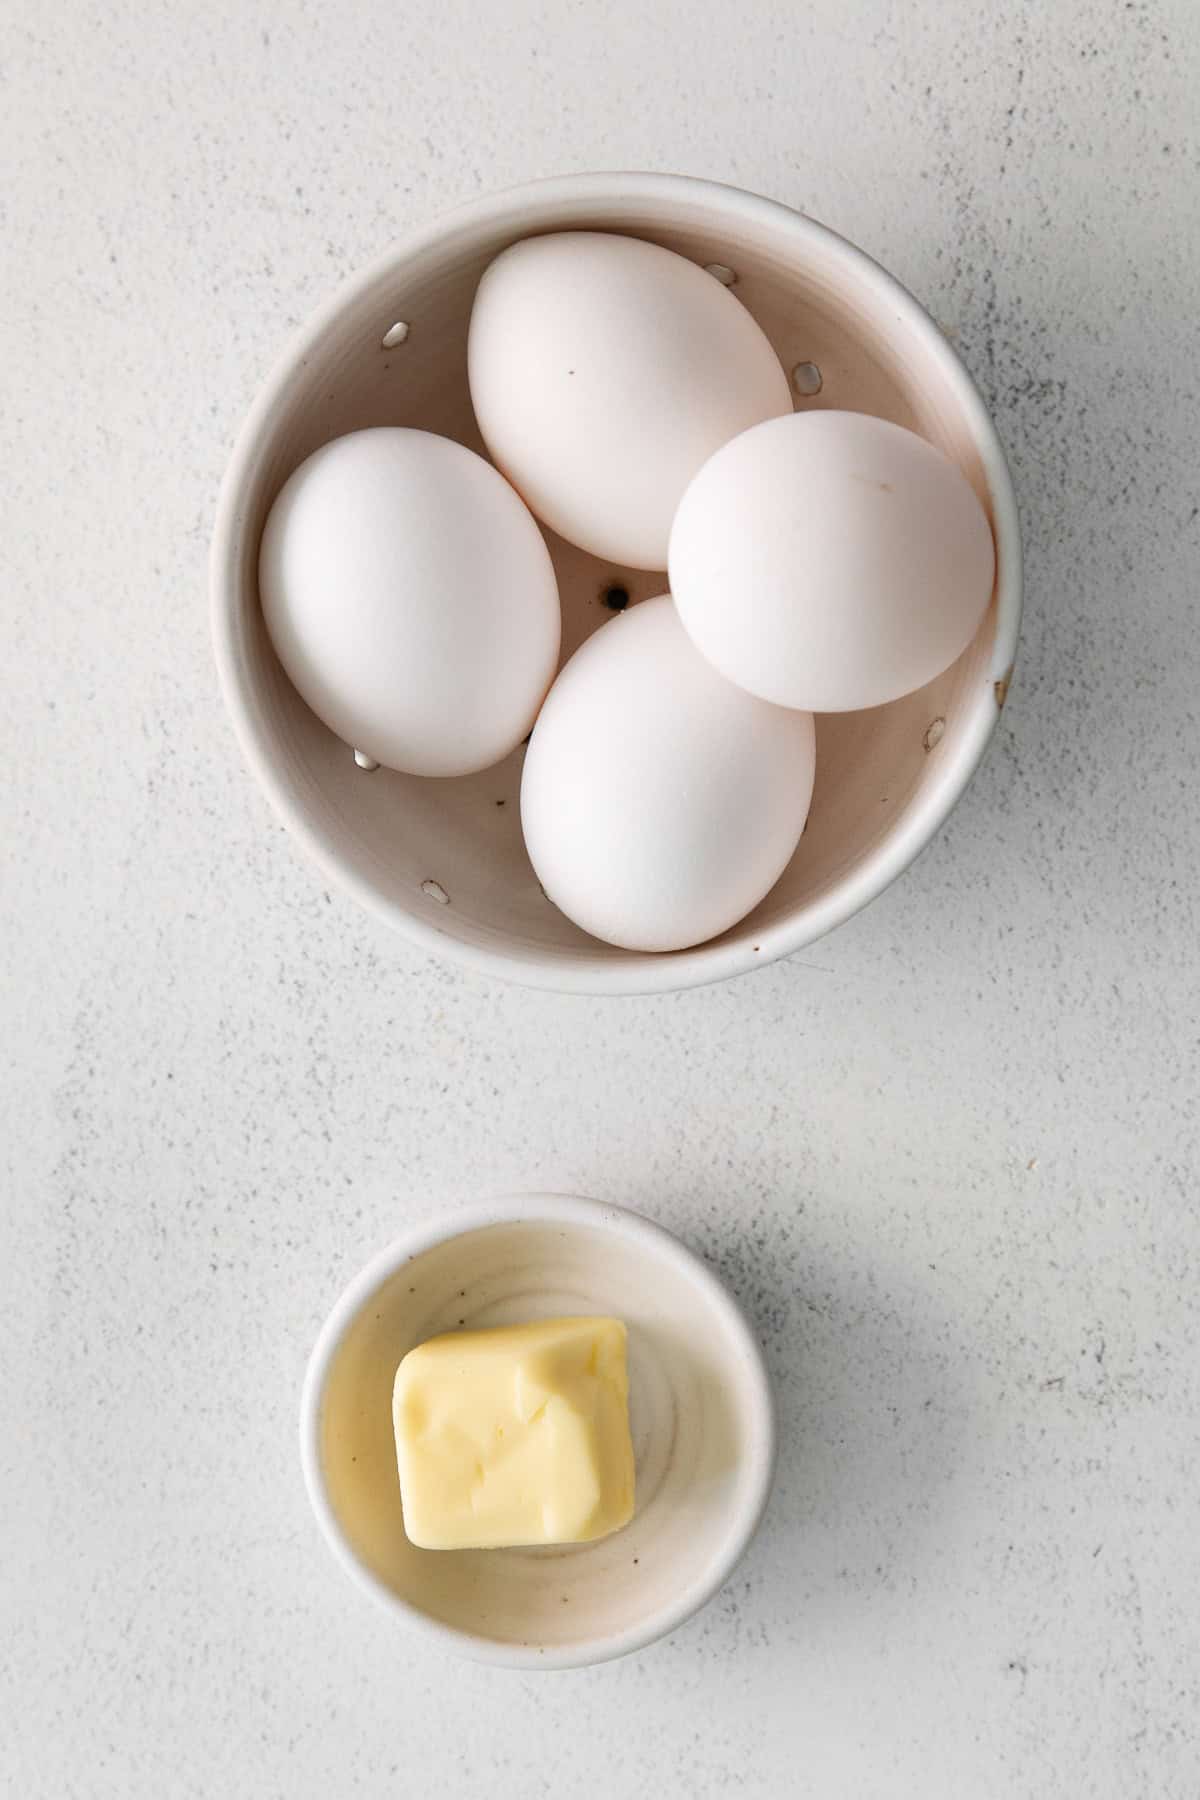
x: 517, y: 1435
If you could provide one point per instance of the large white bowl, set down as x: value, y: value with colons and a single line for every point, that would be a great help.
x: 443, y: 861
x: 700, y: 1408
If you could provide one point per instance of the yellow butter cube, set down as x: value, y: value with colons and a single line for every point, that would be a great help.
x: 516, y: 1435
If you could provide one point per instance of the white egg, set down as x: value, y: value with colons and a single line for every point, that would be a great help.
x: 831, y: 561
x: 659, y: 802
x: 411, y: 598
x: 604, y: 371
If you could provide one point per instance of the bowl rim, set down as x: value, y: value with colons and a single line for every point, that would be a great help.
x: 568, y: 1210
x: 631, y: 972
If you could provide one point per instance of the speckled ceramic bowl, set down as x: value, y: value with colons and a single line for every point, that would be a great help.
x: 443, y: 861
x: 700, y: 1411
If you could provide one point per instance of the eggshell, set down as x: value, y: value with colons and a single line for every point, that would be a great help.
x: 411, y: 598
x: 831, y: 561
x: 659, y: 802
x: 604, y: 371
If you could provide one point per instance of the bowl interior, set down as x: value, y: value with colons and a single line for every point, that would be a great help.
x: 448, y: 854
x: 699, y: 1416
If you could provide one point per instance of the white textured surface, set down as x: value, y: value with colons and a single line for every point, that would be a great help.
x: 948, y: 1158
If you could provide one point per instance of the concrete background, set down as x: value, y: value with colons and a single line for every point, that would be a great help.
x: 947, y: 1157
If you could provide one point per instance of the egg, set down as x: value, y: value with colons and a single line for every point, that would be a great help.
x: 604, y: 372
x: 411, y: 599
x: 831, y: 561
x: 660, y: 802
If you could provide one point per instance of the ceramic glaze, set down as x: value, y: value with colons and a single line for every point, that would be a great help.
x: 701, y: 1416
x: 880, y: 795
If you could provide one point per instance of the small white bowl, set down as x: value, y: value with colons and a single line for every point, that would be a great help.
x: 701, y: 1413
x: 443, y: 861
